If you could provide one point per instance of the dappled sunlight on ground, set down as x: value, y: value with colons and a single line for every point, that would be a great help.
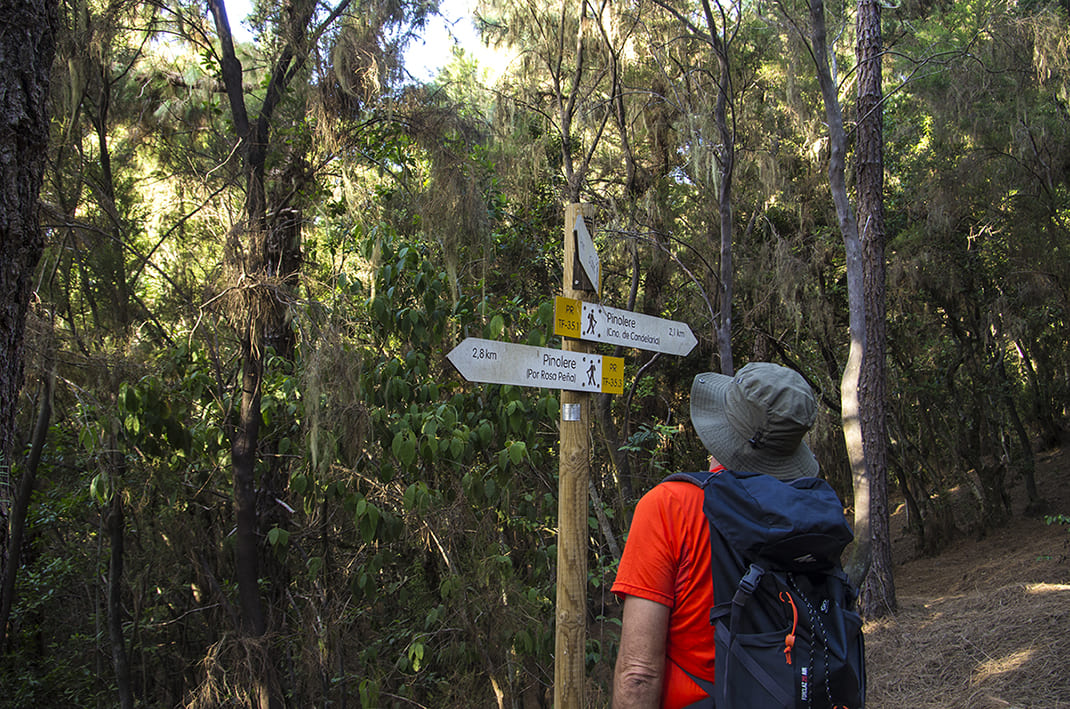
x: 983, y: 625
x: 1048, y: 588
x: 999, y: 665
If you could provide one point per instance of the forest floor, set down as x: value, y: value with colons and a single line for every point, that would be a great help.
x: 986, y: 622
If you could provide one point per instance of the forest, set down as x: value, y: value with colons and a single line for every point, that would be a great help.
x: 236, y: 466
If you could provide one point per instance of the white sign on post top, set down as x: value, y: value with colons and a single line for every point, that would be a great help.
x: 598, y: 323
x: 492, y: 362
x: 586, y: 251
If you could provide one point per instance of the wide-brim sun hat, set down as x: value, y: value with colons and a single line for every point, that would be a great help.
x: 756, y: 420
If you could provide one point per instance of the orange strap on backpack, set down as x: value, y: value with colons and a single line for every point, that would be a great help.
x: 789, y: 640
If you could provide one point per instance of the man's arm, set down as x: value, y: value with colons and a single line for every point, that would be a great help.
x: 640, y: 668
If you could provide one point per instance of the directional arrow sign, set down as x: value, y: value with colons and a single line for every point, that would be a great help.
x: 590, y: 321
x: 480, y: 360
x: 588, y: 254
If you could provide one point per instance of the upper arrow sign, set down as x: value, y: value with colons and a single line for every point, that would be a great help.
x: 588, y: 254
x: 480, y: 360
x: 598, y: 323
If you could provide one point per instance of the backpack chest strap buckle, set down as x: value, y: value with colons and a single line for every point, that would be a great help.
x: 748, y: 584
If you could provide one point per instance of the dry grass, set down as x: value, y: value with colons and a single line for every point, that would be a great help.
x: 985, y: 624
x: 1007, y: 647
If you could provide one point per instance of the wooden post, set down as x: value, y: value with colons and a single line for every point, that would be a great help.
x: 575, y: 448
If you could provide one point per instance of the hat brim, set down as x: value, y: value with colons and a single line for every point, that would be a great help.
x: 709, y: 393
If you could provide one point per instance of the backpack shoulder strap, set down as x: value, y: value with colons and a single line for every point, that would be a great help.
x: 699, y: 478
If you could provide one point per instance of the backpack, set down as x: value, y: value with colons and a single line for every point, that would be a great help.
x: 786, y: 631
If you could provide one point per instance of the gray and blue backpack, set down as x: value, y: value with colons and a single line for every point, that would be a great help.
x: 786, y: 631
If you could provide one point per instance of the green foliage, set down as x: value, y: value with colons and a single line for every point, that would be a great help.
x: 406, y: 517
x: 1058, y: 519
x: 652, y: 440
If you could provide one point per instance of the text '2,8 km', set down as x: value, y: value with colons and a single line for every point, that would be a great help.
x: 483, y: 353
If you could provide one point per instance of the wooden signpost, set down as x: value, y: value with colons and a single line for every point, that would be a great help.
x: 570, y: 633
x: 578, y: 372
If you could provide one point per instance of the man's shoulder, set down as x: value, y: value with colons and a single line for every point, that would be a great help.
x: 689, y: 485
x: 673, y: 492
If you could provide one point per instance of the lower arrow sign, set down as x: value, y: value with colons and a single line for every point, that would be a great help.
x: 492, y: 362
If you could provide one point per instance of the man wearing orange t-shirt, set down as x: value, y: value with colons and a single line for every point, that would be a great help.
x: 754, y: 422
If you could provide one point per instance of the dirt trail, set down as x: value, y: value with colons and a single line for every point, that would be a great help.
x: 986, y: 623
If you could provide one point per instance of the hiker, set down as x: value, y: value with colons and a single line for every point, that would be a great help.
x: 754, y: 423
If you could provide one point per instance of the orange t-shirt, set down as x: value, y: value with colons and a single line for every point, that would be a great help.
x: 667, y: 559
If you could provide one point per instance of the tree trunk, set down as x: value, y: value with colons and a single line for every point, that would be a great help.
x: 116, y: 526
x: 22, y: 504
x: 878, y: 594
x: 1026, y: 463
x: 718, y: 36
x: 858, y: 565
x: 1035, y: 505
x: 27, y: 45
x: 243, y: 460
x: 110, y: 248
x: 1044, y: 404
x: 268, y: 261
x: 726, y: 164
x: 243, y: 445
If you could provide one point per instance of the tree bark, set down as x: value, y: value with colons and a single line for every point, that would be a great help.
x: 111, y: 247
x: 243, y: 461
x: 116, y: 526
x: 27, y: 45
x: 878, y: 594
x: 858, y: 565
x: 726, y: 165
x: 244, y: 437
x: 1035, y: 505
x: 22, y: 504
